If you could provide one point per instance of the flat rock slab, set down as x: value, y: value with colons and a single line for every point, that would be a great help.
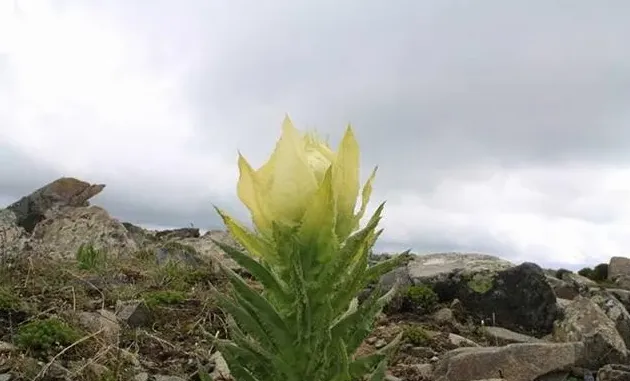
x: 431, y: 266
x: 514, y: 362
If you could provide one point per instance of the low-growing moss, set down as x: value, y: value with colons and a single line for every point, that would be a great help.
x: 8, y: 299
x: 481, y: 283
x: 416, y: 335
x: 156, y: 298
x: 42, y: 335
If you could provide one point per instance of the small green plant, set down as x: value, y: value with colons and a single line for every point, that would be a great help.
x: 416, y: 335
x: 42, y: 335
x: 420, y: 297
x: 157, y: 298
x: 8, y: 299
x: 310, y: 256
x: 90, y: 258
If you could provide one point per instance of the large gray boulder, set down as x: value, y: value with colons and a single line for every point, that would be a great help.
x: 586, y: 322
x: 518, y: 298
x: 63, y: 192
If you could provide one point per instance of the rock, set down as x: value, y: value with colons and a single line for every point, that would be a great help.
x: 180, y: 233
x: 103, y: 319
x: 205, y: 247
x: 516, y: 297
x: 514, y: 362
x: 558, y: 376
x: 6, y: 377
x: 622, y: 295
x: 63, y: 192
x: 460, y: 341
x: 7, y: 347
x: 135, y: 313
x: 562, y: 303
x: 623, y: 282
x: 398, y: 276
x: 580, y: 281
x: 65, y: 230
x: 221, y: 370
x: 142, y: 376
x: 588, y: 376
x: 13, y: 238
x: 159, y: 377
x: 97, y: 371
x: 616, y: 312
x: 142, y: 237
x: 614, y: 372
x: 445, y: 316
x: 570, y: 285
x: 562, y: 289
x: 422, y: 352
x: 380, y: 343
x: 457, y: 308
x: 433, y: 268
x: 502, y: 336
x: 423, y: 370
x: 177, y: 252
x: 618, y: 267
x: 584, y: 321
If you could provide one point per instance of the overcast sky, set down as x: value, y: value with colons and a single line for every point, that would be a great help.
x: 498, y: 126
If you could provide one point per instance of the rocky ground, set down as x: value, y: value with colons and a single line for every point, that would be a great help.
x: 86, y: 297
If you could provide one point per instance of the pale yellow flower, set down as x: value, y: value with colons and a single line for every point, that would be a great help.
x: 285, y: 188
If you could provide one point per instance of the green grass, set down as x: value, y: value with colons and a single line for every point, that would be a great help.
x: 90, y: 258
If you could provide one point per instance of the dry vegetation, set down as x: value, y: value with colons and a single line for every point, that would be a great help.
x: 48, y: 308
x: 46, y: 305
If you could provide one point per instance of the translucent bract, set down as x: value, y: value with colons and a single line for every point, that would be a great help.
x: 284, y: 189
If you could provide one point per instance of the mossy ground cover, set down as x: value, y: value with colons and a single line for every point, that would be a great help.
x: 42, y: 300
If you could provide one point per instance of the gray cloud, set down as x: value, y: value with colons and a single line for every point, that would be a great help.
x: 441, y: 94
x: 442, y: 86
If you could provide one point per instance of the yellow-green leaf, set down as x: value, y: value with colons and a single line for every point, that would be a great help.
x: 346, y: 183
x: 250, y: 193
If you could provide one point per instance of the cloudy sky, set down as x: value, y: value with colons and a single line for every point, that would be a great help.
x: 498, y: 127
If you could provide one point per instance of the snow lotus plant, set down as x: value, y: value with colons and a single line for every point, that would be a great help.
x: 310, y: 256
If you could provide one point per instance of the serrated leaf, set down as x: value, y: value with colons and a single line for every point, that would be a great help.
x: 376, y: 271
x: 379, y: 372
x: 349, y: 251
x: 268, y: 279
x: 244, y: 318
x: 255, y: 244
x: 365, y: 195
x: 265, y: 312
x: 363, y: 365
